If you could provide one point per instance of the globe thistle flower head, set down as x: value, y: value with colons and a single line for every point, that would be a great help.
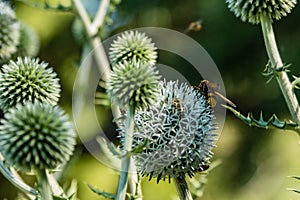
x: 28, y: 43
x: 251, y: 10
x: 133, y: 84
x: 133, y: 46
x: 27, y: 79
x: 177, y: 131
x: 36, y: 136
x: 9, y: 31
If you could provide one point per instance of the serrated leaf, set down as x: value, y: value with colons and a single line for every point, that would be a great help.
x: 284, y: 68
x: 110, y: 146
x: 294, y: 190
x: 132, y: 197
x: 198, y: 182
x: 261, y: 122
x: 247, y: 119
x: 272, y: 71
x: 274, y: 119
x: 72, y: 197
x: 296, y: 82
x: 139, y: 148
x: 268, y: 72
x: 102, y: 193
x: 71, y: 191
x: 60, y: 198
x: 295, y: 177
x: 109, y: 152
x: 272, y: 122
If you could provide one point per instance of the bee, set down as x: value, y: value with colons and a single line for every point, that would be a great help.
x: 177, y: 104
x: 210, y: 91
x: 202, y: 168
x: 194, y: 26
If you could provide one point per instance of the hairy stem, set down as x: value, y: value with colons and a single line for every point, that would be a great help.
x: 182, y: 188
x: 125, y: 166
x: 43, y: 184
x: 282, y: 77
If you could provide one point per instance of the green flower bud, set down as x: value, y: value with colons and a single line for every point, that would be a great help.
x: 9, y: 32
x: 29, y: 42
x: 79, y: 32
x: 36, y: 136
x: 27, y: 80
x: 133, y: 46
x: 177, y: 133
x: 134, y: 84
x: 251, y: 10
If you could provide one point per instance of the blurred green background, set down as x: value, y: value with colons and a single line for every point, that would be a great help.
x: 255, y: 163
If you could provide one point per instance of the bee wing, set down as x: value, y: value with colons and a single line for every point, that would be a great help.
x: 225, y: 99
x: 213, y: 86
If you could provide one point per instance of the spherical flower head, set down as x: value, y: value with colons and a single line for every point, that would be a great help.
x: 27, y: 79
x: 133, y: 46
x: 36, y: 136
x: 251, y: 10
x: 28, y: 43
x: 9, y: 31
x: 133, y: 84
x: 177, y: 132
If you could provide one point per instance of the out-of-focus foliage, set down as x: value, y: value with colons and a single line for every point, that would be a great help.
x: 255, y: 162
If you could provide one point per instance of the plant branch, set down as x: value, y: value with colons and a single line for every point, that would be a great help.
x: 104, y: 67
x: 100, y: 16
x: 182, y: 188
x: 125, y: 166
x: 282, y: 77
x: 99, y: 52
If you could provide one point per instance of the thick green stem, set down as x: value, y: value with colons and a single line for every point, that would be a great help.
x: 282, y: 77
x: 125, y: 166
x: 43, y: 184
x: 182, y: 188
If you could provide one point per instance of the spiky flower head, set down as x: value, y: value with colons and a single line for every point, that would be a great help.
x: 27, y: 79
x: 133, y: 46
x: 36, y: 136
x: 28, y: 43
x: 133, y: 84
x: 251, y: 10
x: 9, y: 31
x: 176, y: 133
